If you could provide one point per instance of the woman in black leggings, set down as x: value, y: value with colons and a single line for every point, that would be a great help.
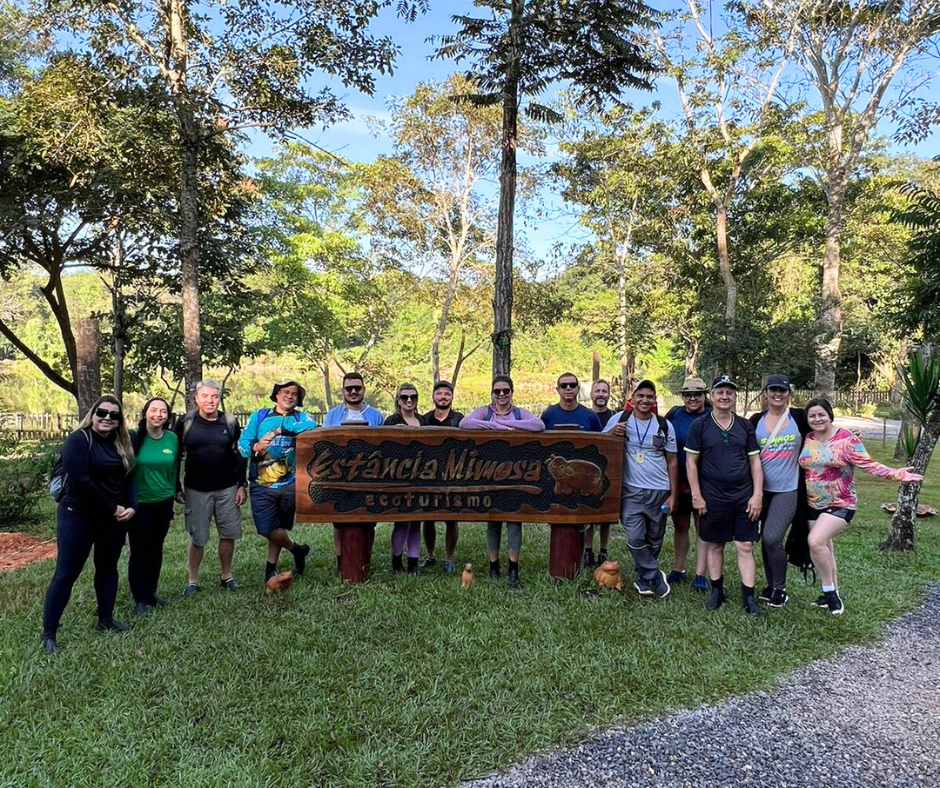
x: 98, y: 501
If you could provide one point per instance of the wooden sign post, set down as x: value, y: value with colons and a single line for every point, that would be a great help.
x: 354, y: 477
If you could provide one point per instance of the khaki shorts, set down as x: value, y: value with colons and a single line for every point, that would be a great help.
x: 201, y: 507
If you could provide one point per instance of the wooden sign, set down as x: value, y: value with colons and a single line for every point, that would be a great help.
x: 356, y: 474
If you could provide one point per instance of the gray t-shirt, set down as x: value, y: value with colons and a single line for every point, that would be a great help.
x: 780, y: 461
x: 644, y: 453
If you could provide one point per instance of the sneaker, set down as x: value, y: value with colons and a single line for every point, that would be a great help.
x: 447, y: 567
x: 602, y: 556
x: 112, y: 625
x: 643, y: 587
x: 512, y: 577
x: 191, y: 589
x: 778, y: 598
x: 676, y: 576
x: 494, y: 573
x: 141, y: 610
x: 587, y: 558
x: 834, y: 603
x: 766, y: 594
x: 715, y: 600
x: 300, y: 558
x: 398, y: 565
x: 230, y: 584
x: 157, y: 601
x: 660, y: 585
x: 821, y: 601
x: 48, y: 644
x: 700, y: 583
x: 753, y: 609
x: 427, y: 563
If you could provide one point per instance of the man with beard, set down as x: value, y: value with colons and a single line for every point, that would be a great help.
x: 600, y: 397
x: 443, y: 415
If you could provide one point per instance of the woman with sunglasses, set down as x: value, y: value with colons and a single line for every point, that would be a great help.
x: 830, y: 456
x: 780, y: 433
x: 98, y: 501
x: 156, y: 475
x: 406, y: 415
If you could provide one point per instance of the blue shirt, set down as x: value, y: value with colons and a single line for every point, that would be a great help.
x: 585, y: 418
x: 336, y: 416
x: 275, y: 467
x: 681, y: 420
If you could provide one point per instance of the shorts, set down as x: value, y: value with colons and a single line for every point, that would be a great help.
x: 728, y: 522
x: 201, y: 507
x: 683, y: 505
x: 272, y: 507
x: 836, y: 511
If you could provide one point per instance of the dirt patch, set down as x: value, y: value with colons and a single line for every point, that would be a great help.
x: 18, y: 550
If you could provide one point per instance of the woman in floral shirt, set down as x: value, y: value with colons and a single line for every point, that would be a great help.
x: 830, y: 456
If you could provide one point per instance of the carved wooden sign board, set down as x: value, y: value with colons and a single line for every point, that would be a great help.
x: 362, y: 474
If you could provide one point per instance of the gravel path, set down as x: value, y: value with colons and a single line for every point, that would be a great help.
x: 870, y: 717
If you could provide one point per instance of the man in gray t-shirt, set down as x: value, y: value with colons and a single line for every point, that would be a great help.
x: 650, y: 485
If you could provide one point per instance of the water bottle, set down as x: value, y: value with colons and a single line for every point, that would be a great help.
x: 665, y: 508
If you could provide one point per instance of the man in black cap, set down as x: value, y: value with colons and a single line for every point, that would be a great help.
x: 269, y: 441
x: 443, y: 415
x: 724, y: 470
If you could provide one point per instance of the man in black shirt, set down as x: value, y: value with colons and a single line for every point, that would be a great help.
x: 213, y: 482
x: 443, y: 415
x: 600, y: 397
x: 727, y: 482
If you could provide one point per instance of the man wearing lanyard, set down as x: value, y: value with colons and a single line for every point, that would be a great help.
x: 650, y: 484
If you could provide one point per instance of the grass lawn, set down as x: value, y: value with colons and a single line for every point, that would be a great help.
x: 401, y: 681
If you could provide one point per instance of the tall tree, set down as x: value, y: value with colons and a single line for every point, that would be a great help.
x: 517, y: 49
x: 228, y: 67
x: 428, y: 193
x: 851, y: 53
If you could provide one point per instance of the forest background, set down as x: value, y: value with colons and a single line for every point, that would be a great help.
x: 685, y: 229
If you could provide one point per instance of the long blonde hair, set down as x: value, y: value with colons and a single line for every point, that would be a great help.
x: 122, y: 440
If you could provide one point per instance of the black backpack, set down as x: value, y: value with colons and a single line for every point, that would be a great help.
x: 59, y: 478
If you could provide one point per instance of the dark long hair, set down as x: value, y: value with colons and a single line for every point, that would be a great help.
x: 821, y: 402
x: 122, y: 441
x: 137, y: 439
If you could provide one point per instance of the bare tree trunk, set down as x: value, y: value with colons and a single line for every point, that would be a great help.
x: 829, y: 324
x: 327, y: 387
x: 189, y: 266
x: 88, y: 376
x: 901, y: 538
x: 461, y: 356
x: 502, y: 293
x: 119, y: 316
x: 727, y: 276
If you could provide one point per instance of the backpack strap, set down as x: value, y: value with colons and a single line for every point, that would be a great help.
x: 663, y: 425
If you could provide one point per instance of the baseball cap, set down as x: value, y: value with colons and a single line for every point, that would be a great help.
x: 777, y: 381
x: 724, y: 380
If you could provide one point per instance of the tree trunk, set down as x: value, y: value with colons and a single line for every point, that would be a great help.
x: 119, y: 317
x: 189, y: 260
x: 901, y: 538
x: 502, y: 293
x: 724, y: 266
x: 327, y: 388
x: 829, y: 324
x: 88, y: 370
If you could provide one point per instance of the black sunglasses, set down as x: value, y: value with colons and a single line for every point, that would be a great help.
x: 568, y: 385
x: 501, y: 392
x: 104, y: 413
x: 352, y: 389
x: 408, y: 397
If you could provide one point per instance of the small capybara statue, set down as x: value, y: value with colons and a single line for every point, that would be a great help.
x: 575, y: 476
x: 279, y: 583
x: 607, y: 575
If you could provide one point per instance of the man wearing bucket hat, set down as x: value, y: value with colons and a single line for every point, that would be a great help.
x: 724, y: 468
x: 694, y: 405
x: 269, y: 441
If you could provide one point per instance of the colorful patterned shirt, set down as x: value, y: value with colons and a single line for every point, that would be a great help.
x: 830, y: 469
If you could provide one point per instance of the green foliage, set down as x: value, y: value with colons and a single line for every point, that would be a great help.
x: 918, y: 298
x: 24, y: 478
x: 920, y: 377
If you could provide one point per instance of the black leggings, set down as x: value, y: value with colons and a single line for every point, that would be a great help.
x: 779, y: 510
x: 146, y: 532
x: 76, y: 534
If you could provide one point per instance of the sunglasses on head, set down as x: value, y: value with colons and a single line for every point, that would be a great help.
x: 568, y: 385
x: 352, y: 389
x: 408, y: 397
x: 502, y: 392
x: 104, y: 413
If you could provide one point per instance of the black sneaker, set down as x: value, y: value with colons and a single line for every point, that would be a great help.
x: 191, y: 589
x: 230, y: 584
x: 112, y: 625
x: 157, y: 601
x: 715, y: 600
x: 778, y: 597
x: 602, y: 557
x: 660, y: 585
x: 427, y: 563
x: 676, y: 576
x: 141, y: 610
x: 300, y: 558
x: 494, y: 572
x: 447, y: 567
x: 834, y: 603
x: 643, y: 587
x: 398, y: 565
x: 48, y: 644
x: 766, y: 594
x: 752, y: 608
x: 587, y: 558
x: 700, y: 583
x: 512, y: 577
x: 821, y: 601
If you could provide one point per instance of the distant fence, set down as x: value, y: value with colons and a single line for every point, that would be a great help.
x: 39, y: 426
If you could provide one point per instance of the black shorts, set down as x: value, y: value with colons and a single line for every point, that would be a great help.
x: 836, y: 511
x: 728, y: 522
x: 683, y: 504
